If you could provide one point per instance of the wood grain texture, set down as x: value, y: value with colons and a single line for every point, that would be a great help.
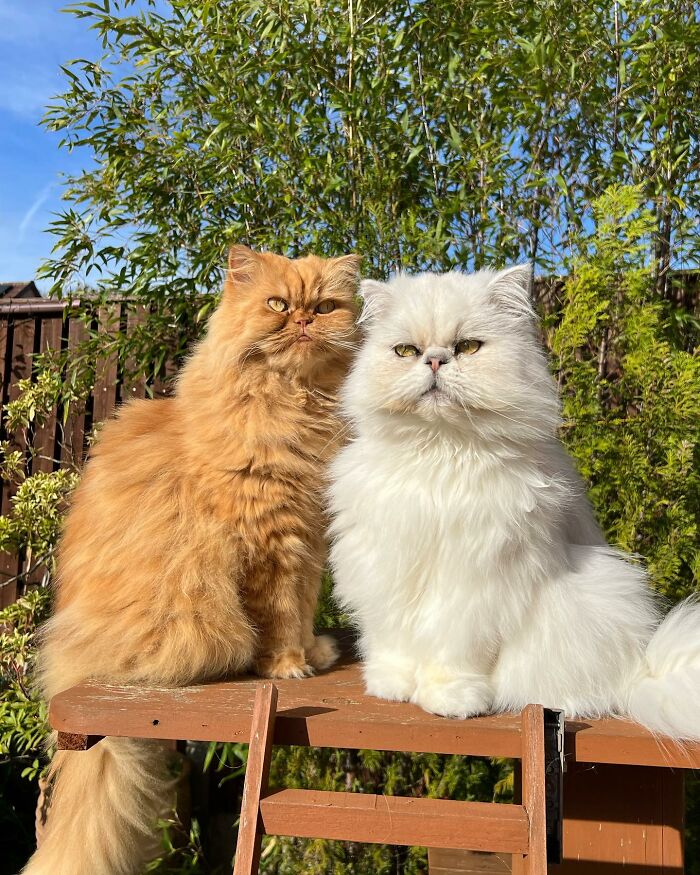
x: 45, y: 432
x: 332, y: 710
x: 533, y: 791
x: 622, y: 819
x: 450, y: 861
x: 5, y: 361
x: 72, y: 432
x: 256, y: 777
x: 105, y: 391
x: 328, y: 710
x: 395, y: 820
x: 18, y: 367
x: 618, y: 820
x: 134, y: 385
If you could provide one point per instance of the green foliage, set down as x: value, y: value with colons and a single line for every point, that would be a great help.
x: 23, y: 726
x: 37, y: 507
x: 328, y: 614
x: 31, y: 528
x: 630, y: 397
x: 228, y: 759
x: 176, y: 858
x: 418, y: 132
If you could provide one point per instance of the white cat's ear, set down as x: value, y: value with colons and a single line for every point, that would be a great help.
x: 510, y: 290
x: 373, y: 294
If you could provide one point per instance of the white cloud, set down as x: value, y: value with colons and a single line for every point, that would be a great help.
x: 38, y: 203
x: 26, y: 94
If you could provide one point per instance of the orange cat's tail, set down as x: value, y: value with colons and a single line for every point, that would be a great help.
x: 104, y: 805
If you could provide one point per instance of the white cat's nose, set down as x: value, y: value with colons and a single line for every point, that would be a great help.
x: 436, y: 356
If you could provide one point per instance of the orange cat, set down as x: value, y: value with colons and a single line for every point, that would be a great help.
x: 194, y: 545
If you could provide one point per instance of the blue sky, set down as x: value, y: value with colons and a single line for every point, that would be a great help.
x: 35, y: 39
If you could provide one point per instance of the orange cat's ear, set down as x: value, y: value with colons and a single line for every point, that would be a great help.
x: 242, y: 265
x: 343, y: 274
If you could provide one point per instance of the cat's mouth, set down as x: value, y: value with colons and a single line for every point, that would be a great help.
x: 304, y: 338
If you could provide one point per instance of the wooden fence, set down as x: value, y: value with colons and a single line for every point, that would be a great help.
x: 32, y: 326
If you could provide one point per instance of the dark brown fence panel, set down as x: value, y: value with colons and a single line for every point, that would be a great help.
x: 50, y: 331
x: 22, y: 332
x: 162, y: 385
x: 8, y: 562
x: 71, y: 423
x: 26, y: 329
x: 133, y: 387
x: 105, y: 391
x: 5, y: 363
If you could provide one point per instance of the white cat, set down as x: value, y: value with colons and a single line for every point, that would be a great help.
x: 463, y: 544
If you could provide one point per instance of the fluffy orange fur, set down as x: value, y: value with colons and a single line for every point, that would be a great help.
x: 194, y: 545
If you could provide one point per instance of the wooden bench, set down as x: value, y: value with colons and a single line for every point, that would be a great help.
x: 623, y: 788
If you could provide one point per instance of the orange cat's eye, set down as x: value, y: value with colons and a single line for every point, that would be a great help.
x: 279, y: 305
x: 326, y: 307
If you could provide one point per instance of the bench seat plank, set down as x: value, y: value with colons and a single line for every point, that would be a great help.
x: 332, y: 710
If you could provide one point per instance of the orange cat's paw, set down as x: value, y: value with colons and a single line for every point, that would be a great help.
x: 287, y: 664
x: 323, y: 652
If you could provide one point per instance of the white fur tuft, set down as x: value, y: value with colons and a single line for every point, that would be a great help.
x: 667, y: 700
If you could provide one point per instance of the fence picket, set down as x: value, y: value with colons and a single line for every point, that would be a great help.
x: 45, y: 433
x: 105, y: 391
x: 133, y: 386
x: 71, y: 424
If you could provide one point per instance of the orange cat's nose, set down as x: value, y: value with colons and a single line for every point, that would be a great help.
x: 303, y: 319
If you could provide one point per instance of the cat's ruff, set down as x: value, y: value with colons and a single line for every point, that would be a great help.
x: 463, y: 544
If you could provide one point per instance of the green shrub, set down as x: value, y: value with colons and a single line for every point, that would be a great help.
x: 23, y: 727
x: 630, y: 395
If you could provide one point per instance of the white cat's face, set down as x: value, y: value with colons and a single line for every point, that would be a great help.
x: 456, y: 348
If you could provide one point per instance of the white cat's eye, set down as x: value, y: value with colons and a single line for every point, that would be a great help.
x: 325, y: 307
x: 467, y: 346
x: 278, y: 305
x: 406, y: 349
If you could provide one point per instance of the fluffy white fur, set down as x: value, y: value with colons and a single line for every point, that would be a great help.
x: 463, y: 543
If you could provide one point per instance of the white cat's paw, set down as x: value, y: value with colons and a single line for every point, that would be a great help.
x: 390, y: 679
x: 458, y: 697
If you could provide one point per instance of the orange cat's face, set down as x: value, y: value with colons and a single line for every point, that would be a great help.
x: 297, y: 315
